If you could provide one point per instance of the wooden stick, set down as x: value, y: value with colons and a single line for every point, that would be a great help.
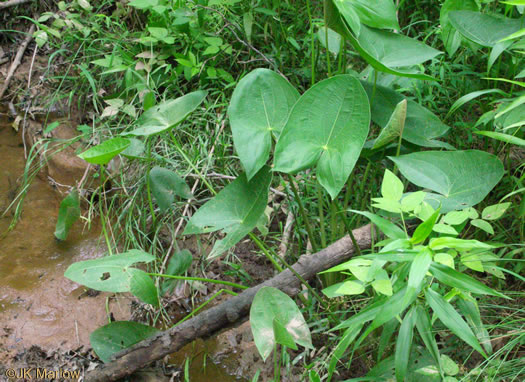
x: 219, y: 317
x: 18, y: 59
x: 12, y: 3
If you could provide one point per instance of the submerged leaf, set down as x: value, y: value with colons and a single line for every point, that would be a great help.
x: 68, y: 213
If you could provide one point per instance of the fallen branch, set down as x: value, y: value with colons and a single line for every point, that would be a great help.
x: 18, y: 58
x: 214, y: 319
x: 12, y: 3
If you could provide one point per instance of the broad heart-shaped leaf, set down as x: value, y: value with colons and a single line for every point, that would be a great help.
x: 393, y: 49
x: 116, y: 336
x: 450, y: 36
x: 165, y: 184
x: 104, y: 152
x: 452, y: 320
x: 394, y: 127
x: 143, y: 287
x: 422, y: 127
x: 110, y: 273
x: 327, y: 127
x: 236, y: 210
x: 259, y: 107
x: 68, y: 213
x: 484, y: 29
x: 462, y: 178
x: 168, y: 114
x: 338, y: 22
x: 271, y: 304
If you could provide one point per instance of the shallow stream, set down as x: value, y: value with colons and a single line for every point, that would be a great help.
x: 38, y: 305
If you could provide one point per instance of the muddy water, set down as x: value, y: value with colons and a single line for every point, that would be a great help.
x: 38, y: 305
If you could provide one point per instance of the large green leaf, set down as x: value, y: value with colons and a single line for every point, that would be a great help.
x: 484, y: 29
x: 259, y: 107
x: 116, y: 336
x: 165, y: 184
x: 168, y: 114
x: 338, y: 22
x: 327, y: 127
x: 68, y: 213
x: 235, y: 210
x: 421, y: 128
x: 503, y: 137
x: 450, y: 36
x: 462, y: 178
x: 269, y: 305
x: 455, y: 279
x: 104, y: 152
x: 110, y: 273
x: 393, y: 49
x: 452, y: 320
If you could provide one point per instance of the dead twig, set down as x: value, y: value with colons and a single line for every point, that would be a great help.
x: 12, y: 3
x: 17, y: 60
x: 232, y: 310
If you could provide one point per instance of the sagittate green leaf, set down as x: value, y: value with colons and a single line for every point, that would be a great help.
x: 259, y: 108
x: 165, y: 184
x: 168, y: 114
x: 270, y: 305
x: 236, y: 210
x: 484, y: 29
x: 455, y: 279
x: 452, y: 320
x: 462, y: 178
x: 68, y: 213
x: 116, y: 336
x: 104, y: 152
x: 110, y: 273
x: 327, y: 127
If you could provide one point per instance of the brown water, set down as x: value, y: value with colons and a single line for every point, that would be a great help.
x: 38, y: 305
